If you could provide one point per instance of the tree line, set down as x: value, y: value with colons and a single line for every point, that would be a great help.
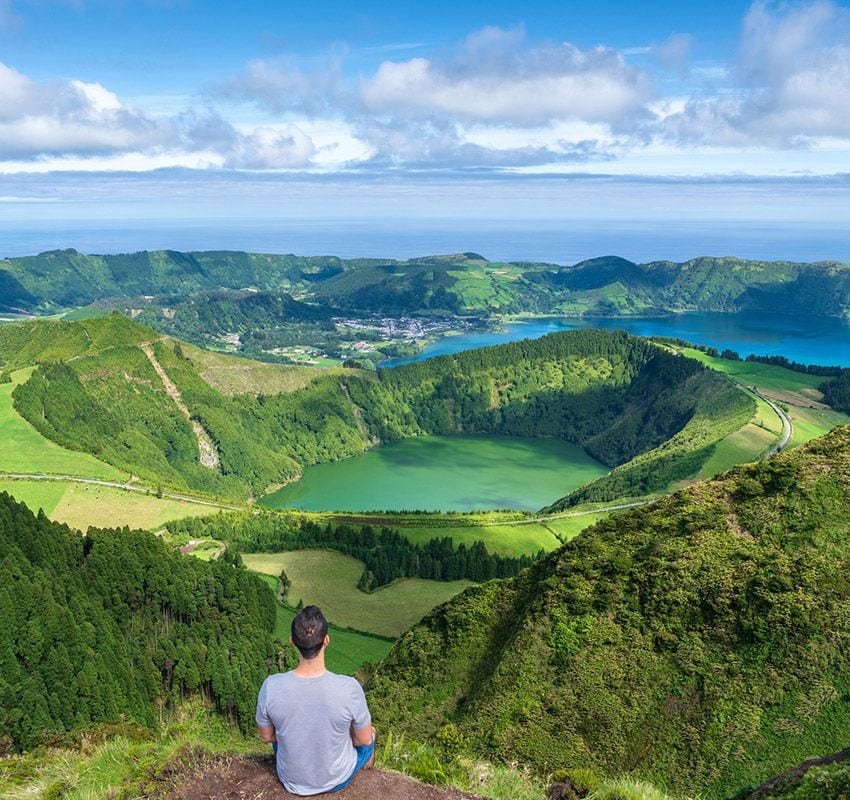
x: 386, y: 554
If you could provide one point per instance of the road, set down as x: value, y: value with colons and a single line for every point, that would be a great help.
x: 602, y: 510
x: 129, y: 487
x: 786, y: 425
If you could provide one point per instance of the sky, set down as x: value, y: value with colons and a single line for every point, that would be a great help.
x: 127, y: 109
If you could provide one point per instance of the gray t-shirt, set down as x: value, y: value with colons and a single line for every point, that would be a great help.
x: 313, y: 718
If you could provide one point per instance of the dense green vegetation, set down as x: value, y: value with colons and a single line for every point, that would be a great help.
x: 629, y: 403
x: 454, y: 284
x: 700, y: 642
x: 26, y: 451
x: 836, y: 392
x: 111, y: 626
x: 386, y: 554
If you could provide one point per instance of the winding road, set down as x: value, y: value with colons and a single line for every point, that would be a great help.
x: 786, y: 425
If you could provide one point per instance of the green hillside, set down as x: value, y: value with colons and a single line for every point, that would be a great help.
x: 701, y: 643
x: 109, y: 627
x: 454, y: 284
x: 107, y: 387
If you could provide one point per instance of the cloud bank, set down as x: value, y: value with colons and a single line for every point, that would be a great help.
x: 496, y: 101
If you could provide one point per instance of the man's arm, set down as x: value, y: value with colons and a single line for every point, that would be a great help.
x: 364, y: 735
x: 267, y: 733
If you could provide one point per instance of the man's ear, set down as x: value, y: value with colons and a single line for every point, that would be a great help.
x: 291, y: 642
x: 327, y: 640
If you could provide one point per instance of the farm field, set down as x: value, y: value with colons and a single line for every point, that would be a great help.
x: 747, y: 443
x: 25, y: 450
x: 233, y: 375
x: 795, y: 391
x: 82, y: 505
x: 808, y: 423
x: 329, y: 579
x: 765, y: 377
x: 567, y: 528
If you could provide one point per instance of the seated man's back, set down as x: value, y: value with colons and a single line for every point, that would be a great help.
x: 313, y: 718
x: 319, y: 721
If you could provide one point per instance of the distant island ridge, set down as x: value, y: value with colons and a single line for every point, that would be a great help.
x: 323, y: 310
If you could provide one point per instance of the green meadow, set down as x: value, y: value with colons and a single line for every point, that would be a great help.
x: 765, y: 377
x: 83, y: 505
x: 504, y: 540
x: 329, y: 580
x: 795, y: 392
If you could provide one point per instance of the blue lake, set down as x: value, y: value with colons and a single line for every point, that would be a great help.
x: 809, y: 340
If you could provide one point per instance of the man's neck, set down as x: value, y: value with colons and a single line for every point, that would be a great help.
x: 311, y: 667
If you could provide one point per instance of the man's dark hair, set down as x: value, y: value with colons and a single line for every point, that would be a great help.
x: 309, y: 629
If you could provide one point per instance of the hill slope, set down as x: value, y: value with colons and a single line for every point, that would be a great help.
x: 701, y: 642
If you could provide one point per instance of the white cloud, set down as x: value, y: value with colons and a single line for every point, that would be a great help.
x: 495, y: 101
x: 790, y: 86
x: 69, y: 124
x: 66, y: 117
x: 497, y: 78
x: 675, y: 51
x: 267, y: 148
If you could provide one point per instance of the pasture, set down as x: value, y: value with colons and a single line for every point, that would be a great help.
x: 503, y: 540
x: 798, y: 394
x: 765, y: 377
x: 83, y: 505
x: 329, y: 579
x: 234, y: 375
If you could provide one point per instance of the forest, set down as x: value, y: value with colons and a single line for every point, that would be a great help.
x: 114, y: 626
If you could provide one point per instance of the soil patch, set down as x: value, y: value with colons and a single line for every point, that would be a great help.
x: 195, y: 775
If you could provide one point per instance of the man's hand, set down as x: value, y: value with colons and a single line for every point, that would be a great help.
x: 267, y: 733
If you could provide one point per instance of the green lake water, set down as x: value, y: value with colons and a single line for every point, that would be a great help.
x: 444, y: 473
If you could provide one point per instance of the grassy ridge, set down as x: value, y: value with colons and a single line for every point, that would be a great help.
x: 25, y: 450
x: 699, y: 642
x: 460, y: 283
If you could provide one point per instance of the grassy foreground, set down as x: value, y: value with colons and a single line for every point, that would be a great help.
x: 329, y: 579
x: 122, y: 762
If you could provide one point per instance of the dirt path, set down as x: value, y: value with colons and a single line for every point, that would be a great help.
x: 254, y: 778
x: 208, y: 455
x: 129, y: 487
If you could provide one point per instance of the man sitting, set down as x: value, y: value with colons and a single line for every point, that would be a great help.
x: 318, y: 721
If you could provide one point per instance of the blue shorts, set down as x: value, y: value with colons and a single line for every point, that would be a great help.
x: 364, y: 753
